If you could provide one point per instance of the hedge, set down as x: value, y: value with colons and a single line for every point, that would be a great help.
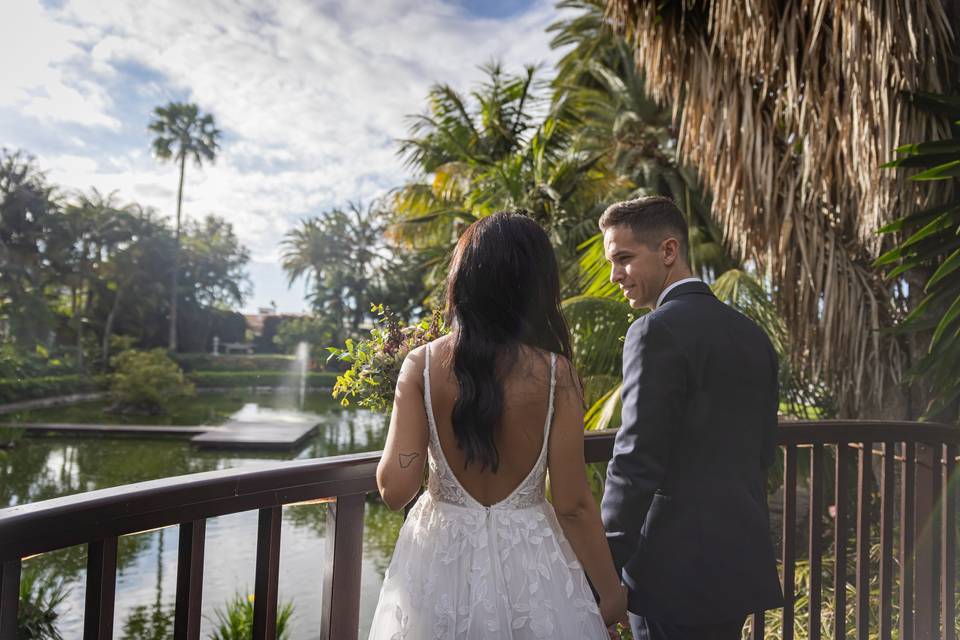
x: 258, y: 379
x: 233, y: 362
x: 19, y: 389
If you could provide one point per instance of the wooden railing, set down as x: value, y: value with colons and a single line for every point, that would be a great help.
x: 916, y: 464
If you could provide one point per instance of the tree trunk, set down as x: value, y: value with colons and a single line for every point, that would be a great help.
x: 108, y: 328
x: 172, y: 346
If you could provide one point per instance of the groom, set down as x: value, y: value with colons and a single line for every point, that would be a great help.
x: 685, y: 503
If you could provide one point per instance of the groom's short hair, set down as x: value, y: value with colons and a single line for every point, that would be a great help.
x: 651, y: 218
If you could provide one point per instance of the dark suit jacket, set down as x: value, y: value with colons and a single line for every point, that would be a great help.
x: 685, y: 503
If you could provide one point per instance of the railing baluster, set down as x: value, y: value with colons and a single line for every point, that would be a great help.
x: 864, y: 460
x: 949, y: 534
x: 815, y: 550
x: 101, y: 589
x: 757, y: 628
x: 340, y: 617
x: 789, y: 536
x: 9, y: 598
x: 267, y: 576
x: 927, y: 603
x: 886, y: 541
x: 186, y: 625
x: 840, y: 544
x: 907, y: 529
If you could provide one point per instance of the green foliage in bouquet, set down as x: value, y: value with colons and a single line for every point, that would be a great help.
x: 375, y: 362
x: 146, y: 382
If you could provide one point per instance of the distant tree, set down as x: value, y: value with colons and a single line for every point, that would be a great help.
x: 339, y: 254
x: 182, y: 131
x: 29, y: 219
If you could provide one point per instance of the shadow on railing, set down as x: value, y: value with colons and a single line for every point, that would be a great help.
x: 917, y: 524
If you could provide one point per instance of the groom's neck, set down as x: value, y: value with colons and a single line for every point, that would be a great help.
x: 677, y: 274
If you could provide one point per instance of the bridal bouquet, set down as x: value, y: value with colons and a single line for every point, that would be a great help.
x: 375, y: 362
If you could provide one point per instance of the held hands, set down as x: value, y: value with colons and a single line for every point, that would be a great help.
x: 613, y: 609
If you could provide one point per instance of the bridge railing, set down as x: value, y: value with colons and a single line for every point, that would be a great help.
x: 914, y: 485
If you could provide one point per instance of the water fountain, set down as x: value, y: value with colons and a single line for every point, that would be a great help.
x: 261, y: 427
x: 303, y: 354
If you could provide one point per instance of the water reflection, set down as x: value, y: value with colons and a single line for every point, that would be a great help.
x: 42, y: 468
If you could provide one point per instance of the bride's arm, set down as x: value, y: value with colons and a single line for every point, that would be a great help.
x: 400, y: 472
x: 573, y: 501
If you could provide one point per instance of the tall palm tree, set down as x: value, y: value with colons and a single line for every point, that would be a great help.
x: 340, y: 254
x: 789, y: 138
x: 182, y: 132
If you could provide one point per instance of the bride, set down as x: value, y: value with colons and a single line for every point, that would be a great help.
x: 492, y: 408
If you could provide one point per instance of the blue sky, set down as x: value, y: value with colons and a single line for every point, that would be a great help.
x: 310, y: 96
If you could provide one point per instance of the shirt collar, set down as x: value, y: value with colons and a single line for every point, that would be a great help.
x: 663, y: 294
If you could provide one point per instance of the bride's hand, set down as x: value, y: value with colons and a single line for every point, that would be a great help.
x: 613, y: 609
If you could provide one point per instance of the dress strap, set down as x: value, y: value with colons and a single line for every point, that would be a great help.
x: 427, y: 400
x: 553, y: 386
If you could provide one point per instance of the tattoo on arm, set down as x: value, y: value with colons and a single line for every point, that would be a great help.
x: 406, y: 459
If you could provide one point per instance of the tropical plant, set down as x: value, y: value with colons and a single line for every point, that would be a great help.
x: 29, y: 217
x: 375, y: 362
x: 95, y: 225
x: 929, y: 250
x: 41, y: 594
x: 340, y: 254
x: 612, y: 114
x: 794, y: 168
x: 146, y: 382
x: 502, y: 146
x: 234, y: 621
x: 181, y: 132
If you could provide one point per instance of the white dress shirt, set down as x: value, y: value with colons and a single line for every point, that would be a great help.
x: 663, y: 294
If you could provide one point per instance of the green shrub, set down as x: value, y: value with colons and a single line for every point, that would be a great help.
x: 235, y: 621
x: 19, y: 389
x: 375, y: 362
x: 145, y: 382
x: 314, y: 331
x: 191, y: 362
x: 233, y: 379
x: 20, y: 363
x: 41, y: 593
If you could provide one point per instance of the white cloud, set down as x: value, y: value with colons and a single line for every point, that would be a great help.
x: 36, y: 53
x: 310, y: 95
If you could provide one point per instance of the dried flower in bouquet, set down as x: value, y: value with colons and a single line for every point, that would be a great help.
x: 375, y: 362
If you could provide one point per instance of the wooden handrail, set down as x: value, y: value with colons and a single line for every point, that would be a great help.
x: 99, y: 518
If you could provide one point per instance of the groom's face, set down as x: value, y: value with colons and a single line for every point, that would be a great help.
x: 635, y: 266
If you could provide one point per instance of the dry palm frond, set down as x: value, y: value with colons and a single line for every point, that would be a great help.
x: 789, y: 109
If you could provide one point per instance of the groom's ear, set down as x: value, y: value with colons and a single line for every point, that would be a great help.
x: 670, y: 251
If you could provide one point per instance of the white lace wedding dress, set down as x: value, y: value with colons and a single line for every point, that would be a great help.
x: 466, y: 571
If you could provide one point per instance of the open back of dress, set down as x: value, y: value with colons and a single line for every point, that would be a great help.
x: 461, y: 569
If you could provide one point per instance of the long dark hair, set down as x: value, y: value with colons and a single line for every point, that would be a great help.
x: 503, y: 291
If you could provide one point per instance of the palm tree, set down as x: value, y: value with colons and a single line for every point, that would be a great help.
x: 341, y: 255
x: 790, y: 140
x: 491, y: 149
x: 182, y: 132
x: 95, y: 224
x: 29, y: 219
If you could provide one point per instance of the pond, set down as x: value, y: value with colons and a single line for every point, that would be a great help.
x: 41, y: 468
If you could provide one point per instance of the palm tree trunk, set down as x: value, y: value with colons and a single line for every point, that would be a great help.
x: 108, y: 328
x: 172, y: 346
